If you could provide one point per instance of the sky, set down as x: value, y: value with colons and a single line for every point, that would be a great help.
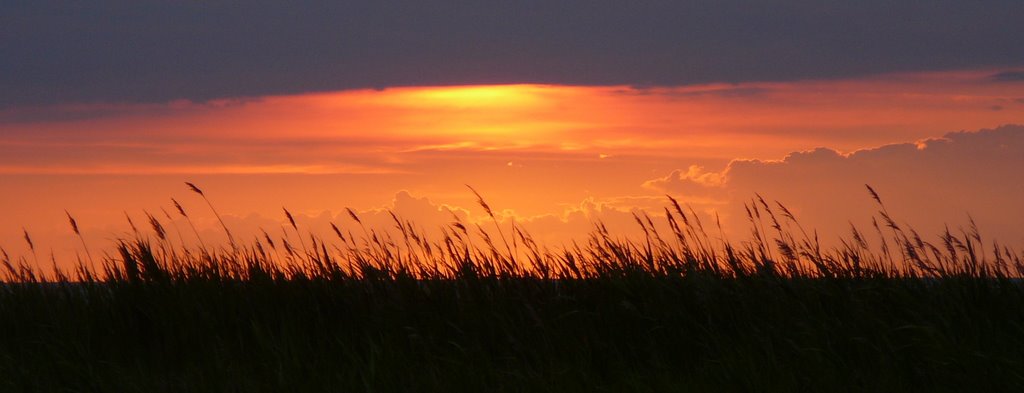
x: 560, y: 113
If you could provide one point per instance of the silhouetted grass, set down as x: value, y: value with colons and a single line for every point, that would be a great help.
x: 673, y: 311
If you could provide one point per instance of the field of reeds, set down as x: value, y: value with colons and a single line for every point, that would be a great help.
x: 484, y: 308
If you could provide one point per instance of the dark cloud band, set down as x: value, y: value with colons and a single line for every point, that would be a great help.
x: 144, y: 51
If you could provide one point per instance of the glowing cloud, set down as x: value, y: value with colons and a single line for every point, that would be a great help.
x: 536, y: 150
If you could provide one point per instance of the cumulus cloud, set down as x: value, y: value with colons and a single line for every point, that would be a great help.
x: 419, y: 210
x: 928, y: 184
x: 694, y: 181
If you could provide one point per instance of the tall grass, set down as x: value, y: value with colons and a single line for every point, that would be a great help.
x: 397, y: 310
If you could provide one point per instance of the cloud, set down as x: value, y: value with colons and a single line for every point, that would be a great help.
x: 928, y: 184
x: 1008, y: 76
x: 419, y: 210
x: 157, y: 52
x: 713, y: 90
x: 695, y: 180
x: 573, y: 223
x: 79, y: 112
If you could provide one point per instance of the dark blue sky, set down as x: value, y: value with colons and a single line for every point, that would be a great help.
x: 141, y: 51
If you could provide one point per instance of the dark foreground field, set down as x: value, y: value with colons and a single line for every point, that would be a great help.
x: 628, y: 333
x: 672, y: 312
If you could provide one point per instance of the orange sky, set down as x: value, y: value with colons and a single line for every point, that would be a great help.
x: 544, y: 153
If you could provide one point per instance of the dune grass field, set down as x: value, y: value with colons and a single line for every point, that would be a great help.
x: 485, y: 308
x: 342, y: 196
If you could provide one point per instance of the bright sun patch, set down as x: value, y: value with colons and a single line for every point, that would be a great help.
x: 474, y: 96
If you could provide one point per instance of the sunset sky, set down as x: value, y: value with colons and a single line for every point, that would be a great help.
x: 559, y: 113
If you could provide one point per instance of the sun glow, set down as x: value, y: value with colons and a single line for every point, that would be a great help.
x: 498, y: 96
x: 372, y: 130
x: 509, y: 115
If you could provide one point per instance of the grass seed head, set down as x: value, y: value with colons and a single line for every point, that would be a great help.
x: 74, y: 224
x: 28, y: 239
x: 195, y: 189
x: 181, y: 210
x: 291, y: 220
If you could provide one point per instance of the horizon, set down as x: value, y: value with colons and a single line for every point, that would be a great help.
x: 558, y: 125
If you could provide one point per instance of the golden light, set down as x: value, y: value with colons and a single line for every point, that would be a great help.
x: 506, y: 115
x: 497, y: 96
